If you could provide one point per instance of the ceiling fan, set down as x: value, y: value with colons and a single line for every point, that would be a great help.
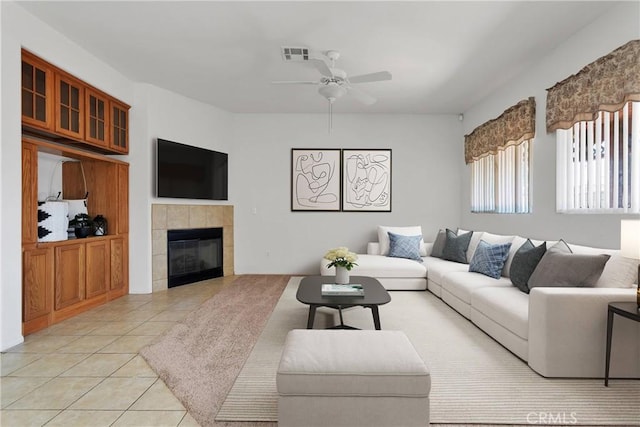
x: 334, y: 82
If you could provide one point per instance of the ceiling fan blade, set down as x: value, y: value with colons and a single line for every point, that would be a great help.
x: 321, y: 65
x: 295, y: 82
x: 372, y: 77
x: 362, y: 96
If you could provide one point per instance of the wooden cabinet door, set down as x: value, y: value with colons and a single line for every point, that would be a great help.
x: 37, y: 92
x: 98, y: 267
x: 69, y: 284
x: 37, y: 280
x: 123, y: 199
x: 69, y: 106
x: 119, y: 263
x: 29, y: 193
x: 119, y: 131
x: 96, y: 118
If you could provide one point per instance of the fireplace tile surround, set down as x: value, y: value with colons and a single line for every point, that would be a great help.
x: 176, y: 217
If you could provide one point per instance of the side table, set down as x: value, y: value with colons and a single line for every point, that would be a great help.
x: 630, y: 310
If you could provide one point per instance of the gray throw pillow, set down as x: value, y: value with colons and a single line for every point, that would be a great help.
x: 524, y: 263
x: 559, y: 268
x: 438, y: 244
x: 455, y: 248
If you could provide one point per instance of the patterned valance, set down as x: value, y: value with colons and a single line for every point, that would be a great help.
x: 516, y: 125
x: 604, y: 85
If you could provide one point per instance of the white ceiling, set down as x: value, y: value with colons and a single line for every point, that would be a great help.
x: 444, y: 56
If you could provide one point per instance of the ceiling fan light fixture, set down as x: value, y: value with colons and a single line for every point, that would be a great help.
x: 332, y: 91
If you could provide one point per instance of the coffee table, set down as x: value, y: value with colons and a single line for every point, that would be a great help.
x: 310, y: 292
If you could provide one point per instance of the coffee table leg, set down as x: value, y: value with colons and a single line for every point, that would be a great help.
x: 312, y: 316
x: 376, y: 316
x: 608, y: 359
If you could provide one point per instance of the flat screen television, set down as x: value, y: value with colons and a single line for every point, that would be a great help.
x: 187, y: 172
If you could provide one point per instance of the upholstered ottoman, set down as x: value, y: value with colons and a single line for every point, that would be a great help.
x: 351, y: 378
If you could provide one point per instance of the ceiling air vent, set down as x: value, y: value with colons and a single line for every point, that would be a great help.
x: 295, y: 54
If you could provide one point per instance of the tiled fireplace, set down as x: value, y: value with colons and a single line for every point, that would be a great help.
x: 181, y: 217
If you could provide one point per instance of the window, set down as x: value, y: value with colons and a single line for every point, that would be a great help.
x: 499, y: 153
x: 500, y: 182
x: 598, y: 163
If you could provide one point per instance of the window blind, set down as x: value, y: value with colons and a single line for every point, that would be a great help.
x: 598, y: 163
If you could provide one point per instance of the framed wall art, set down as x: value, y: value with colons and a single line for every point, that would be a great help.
x: 366, y: 180
x: 315, y: 179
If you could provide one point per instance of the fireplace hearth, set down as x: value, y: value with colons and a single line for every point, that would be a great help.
x: 193, y: 255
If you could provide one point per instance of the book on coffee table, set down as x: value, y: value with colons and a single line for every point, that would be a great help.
x: 351, y: 290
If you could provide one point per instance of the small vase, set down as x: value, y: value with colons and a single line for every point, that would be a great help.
x: 342, y: 275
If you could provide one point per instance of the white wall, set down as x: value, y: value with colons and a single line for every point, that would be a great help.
x: 164, y: 114
x: 608, y: 32
x: 20, y: 29
x: 425, y: 184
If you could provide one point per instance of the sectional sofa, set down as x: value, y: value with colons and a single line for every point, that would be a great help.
x: 558, y: 331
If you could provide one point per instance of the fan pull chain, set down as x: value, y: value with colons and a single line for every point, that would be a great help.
x: 330, y: 116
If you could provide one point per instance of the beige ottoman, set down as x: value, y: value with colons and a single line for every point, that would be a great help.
x: 351, y: 378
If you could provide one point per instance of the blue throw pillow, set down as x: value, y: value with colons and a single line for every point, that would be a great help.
x: 489, y: 259
x: 404, y: 246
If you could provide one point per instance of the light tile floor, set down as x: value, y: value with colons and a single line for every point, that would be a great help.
x: 86, y: 371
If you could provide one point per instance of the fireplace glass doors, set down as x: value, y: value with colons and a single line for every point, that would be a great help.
x: 194, y: 255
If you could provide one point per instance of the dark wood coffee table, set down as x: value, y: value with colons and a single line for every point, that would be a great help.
x: 310, y: 292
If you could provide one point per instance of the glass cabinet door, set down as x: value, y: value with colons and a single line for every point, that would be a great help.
x: 119, y: 127
x: 36, y: 92
x: 69, y: 107
x: 97, y: 118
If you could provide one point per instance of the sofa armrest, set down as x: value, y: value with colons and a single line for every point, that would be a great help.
x: 568, y: 329
x: 373, y: 248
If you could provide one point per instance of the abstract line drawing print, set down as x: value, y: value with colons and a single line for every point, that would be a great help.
x: 366, y: 180
x: 315, y: 180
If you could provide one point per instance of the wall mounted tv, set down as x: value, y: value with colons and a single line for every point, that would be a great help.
x: 187, y: 172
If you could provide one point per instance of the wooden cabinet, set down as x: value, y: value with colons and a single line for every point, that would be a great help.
x: 37, y: 283
x: 69, y: 281
x: 119, y: 264
x: 29, y: 193
x: 96, y: 118
x: 64, y: 278
x: 119, y: 132
x: 60, y: 113
x: 69, y: 104
x: 37, y: 92
x: 123, y: 199
x: 63, y: 107
x: 98, y: 265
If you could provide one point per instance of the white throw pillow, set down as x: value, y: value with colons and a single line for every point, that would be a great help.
x: 383, y: 237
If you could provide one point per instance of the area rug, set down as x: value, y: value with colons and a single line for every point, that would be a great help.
x: 474, y: 379
x: 200, y: 356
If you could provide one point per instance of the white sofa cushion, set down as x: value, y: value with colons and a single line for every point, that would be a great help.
x: 516, y: 244
x: 505, y: 305
x: 463, y: 284
x: 437, y: 268
x: 619, y: 272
